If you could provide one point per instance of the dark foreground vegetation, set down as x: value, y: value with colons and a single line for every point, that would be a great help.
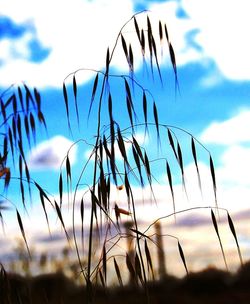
x: 208, y: 286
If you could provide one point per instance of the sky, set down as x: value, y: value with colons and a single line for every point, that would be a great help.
x: 42, y: 42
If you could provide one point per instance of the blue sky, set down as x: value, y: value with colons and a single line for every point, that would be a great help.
x: 42, y: 42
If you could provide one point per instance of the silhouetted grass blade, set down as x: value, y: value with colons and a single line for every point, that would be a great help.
x: 66, y: 101
x: 107, y: 62
x: 20, y: 223
x: 138, y: 149
x: 173, y: 61
x: 231, y: 225
x: 118, y: 273
x: 74, y: 86
x: 42, y: 191
x: 138, y: 269
x: 171, y: 141
x: 8, y: 102
x: 149, y: 26
x: 128, y: 93
x: 214, y: 222
x: 3, y: 110
x: 182, y: 256
x: 196, y: 162
x: 124, y: 46
x: 75, y: 97
x: 129, y: 99
x: 145, y: 110
x: 218, y: 235
x: 112, y: 136
x: 138, y: 165
x: 110, y: 108
x: 27, y: 128
x: 21, y: 149
x: 127, y: 186
x: 27, y: 173
x: 38, y: 99
x: 104, y: 263
x: 19, y: 127
x: 11, y: 142
x: 130, y: 114
x: 14, y: 129
x: 156, y: 58
x: 103, y: 189
x: 60, y: 189
x: 82, y: 221
x: 58, y: 211
x: 93, y: 93
x: 150, y: 42
x: 5, y: 145
x: 148, y: 258
x: 27, y: 100
x: 138, y: 233
x: 101, y: 278
x: 213, y: 179
x: 20, y: 167
x: 180, y: 159
x: 147, y: 167
x: 156, y: 122
x: 137, y: 29
x: 166, y: 32
x: 33, y: 126
x: 160, y: 31
x: 42, y: 120
x: 44, y: 209
x: 29, y: 97
x: 142, y: 43
x: 105, y: 145
x: 20, y: 95
x: 22, y: 193
x: 131, y: 59
x: 169, y: 175
x: 130, y: 267
x: 121, y: 146
x: 68, y: 169
x: 14, y: 105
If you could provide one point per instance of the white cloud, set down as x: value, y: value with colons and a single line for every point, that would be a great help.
x: 78, y: 36
x: 50, y: 154
x: 223, y: 31
x: 232, y: 131
x: 232, y: 171
x: 235, y: 168
x: 178, y: 28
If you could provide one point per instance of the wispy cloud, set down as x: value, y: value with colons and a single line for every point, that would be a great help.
x: 234, y: 130
x: 232, y: 170
x: 222, y: 34
x: 50, y: 154
x: 78, y: 35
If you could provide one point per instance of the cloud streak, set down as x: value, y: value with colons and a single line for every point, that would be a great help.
x: 51, y: 153
x: 234, y: 130
x: 76, y: 35
x: 222, y: 34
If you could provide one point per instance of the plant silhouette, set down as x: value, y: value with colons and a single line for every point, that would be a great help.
x: 21, y: 111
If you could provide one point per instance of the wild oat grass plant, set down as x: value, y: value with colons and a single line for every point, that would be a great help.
x: 21, y: 112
